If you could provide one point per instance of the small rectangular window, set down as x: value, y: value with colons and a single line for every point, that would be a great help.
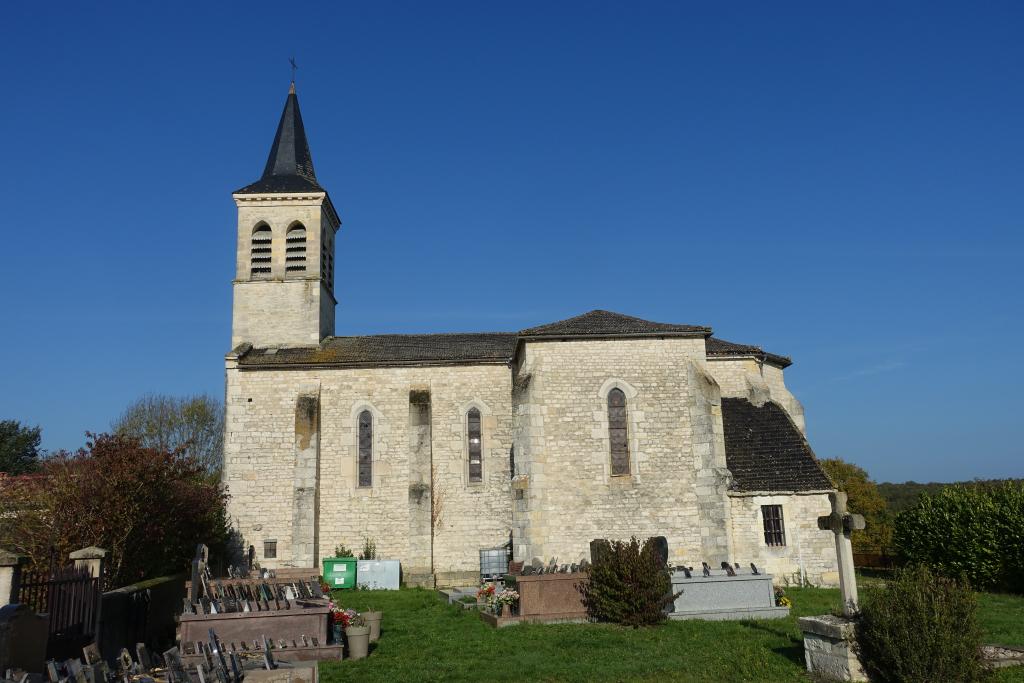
x: 774, y: 526
x: 269, y: 550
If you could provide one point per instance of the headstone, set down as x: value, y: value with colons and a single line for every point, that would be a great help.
x: 707, y: 569
x: 841, y: 523
x: 687, y: 572
x: 729, y: 571
x: 91, y: 654
x: 584, y: 565
x: 661, y: 547
x: 528, y: 570
x: 23, y: 635
x: 175, y: 667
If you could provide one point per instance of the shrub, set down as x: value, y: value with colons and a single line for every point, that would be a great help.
x: 147, y: 507
x: 974, y: 532
x: 920, y: 628
x: 629, y: 583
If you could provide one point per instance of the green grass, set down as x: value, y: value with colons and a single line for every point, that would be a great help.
x: 424, y: 639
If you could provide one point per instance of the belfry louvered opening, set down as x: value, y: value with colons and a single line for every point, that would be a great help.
x: 295, y: 249
x: 327, y: 261
x: 259, y: 251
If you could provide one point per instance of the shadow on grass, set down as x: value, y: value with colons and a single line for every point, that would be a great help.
x: 794, y: 652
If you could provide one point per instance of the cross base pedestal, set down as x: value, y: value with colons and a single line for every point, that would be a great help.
x: 828, y: 648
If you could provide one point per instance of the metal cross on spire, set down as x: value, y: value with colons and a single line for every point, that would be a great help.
x: 291, y: 60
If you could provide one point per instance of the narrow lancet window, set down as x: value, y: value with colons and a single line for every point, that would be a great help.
x: 475, y: 445
x: 617, y: 432
x: 295, y: 249
x: 366, y: 448
x: 259, y: 251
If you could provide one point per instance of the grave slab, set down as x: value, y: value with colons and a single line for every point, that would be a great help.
x: 720, y: 597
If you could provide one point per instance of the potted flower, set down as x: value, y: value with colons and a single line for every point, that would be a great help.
x: 485, y: 596
x: 373, y: 618
x: 357, y: 633
x: 337, y: 621
x: 506, y: 601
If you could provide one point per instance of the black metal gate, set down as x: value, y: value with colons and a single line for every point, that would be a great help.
x: 71, y: 598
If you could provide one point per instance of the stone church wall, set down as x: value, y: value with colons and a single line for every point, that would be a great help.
x: 757, y: 382
x: 262, y: 454
x: 808, y: 549
x: 565, y: 494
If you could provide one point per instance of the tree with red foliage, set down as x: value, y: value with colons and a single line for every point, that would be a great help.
x: 149, y: 508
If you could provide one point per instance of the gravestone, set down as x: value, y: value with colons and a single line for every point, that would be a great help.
x: 661, y: 548
x: 828, y: 639
x: 23, y: 636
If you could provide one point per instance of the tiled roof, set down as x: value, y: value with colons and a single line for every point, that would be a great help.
x: 719, y: 348
x: 609, y: 324
x: 391, y: 350
x: 765, y: 451
x: 488, y: 347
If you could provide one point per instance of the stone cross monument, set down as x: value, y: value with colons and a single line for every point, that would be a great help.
x: 841, y: 523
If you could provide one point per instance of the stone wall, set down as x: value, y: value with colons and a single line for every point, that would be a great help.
x: 282, y: 308
x: 757, y: 382
x: 808, y: 550
x: 565, y: 494
x: 267, y: 454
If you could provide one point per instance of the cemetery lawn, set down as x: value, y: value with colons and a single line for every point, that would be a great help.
x: 423, y: 639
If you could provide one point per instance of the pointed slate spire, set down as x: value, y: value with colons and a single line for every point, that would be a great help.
x: 290, y: 165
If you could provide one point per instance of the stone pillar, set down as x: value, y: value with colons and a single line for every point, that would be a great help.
x: 419, y: 570
x: 91, y: 558
x: 306, y: 478
x: 712, y: 478
x: 10, y: 576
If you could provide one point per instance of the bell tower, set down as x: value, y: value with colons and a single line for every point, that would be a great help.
x: 283, y: 291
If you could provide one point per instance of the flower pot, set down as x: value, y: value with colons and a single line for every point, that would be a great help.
x: 373, y: 621
x: 358, y: 638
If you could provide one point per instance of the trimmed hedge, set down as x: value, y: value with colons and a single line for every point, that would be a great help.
x: 973, y: 532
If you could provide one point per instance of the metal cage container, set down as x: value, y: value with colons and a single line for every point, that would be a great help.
x: 493, y: 563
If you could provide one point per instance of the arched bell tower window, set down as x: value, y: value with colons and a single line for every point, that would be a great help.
x: 476, y: 469
x: 366, y: 448
x: 259, y: 251
x: 617, y: 432
x: 295, y: 249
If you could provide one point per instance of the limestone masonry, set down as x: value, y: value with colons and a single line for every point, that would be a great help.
x: 437, y: 446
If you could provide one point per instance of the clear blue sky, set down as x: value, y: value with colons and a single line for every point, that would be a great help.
x: 842, y: 183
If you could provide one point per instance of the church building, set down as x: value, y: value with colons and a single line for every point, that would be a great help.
x: 436, y: 446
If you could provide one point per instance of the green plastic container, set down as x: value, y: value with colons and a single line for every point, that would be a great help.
x: 340, y: 572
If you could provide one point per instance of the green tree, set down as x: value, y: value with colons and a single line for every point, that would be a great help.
x: 864, y: 499
x: 193, y: 425
x: 19, y: 447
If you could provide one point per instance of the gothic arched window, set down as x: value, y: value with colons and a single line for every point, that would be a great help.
x: 295, y: 249
x: 366, y: 448
x: 475, y: 445
x: 617, y: 432
x: 259, y: 251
